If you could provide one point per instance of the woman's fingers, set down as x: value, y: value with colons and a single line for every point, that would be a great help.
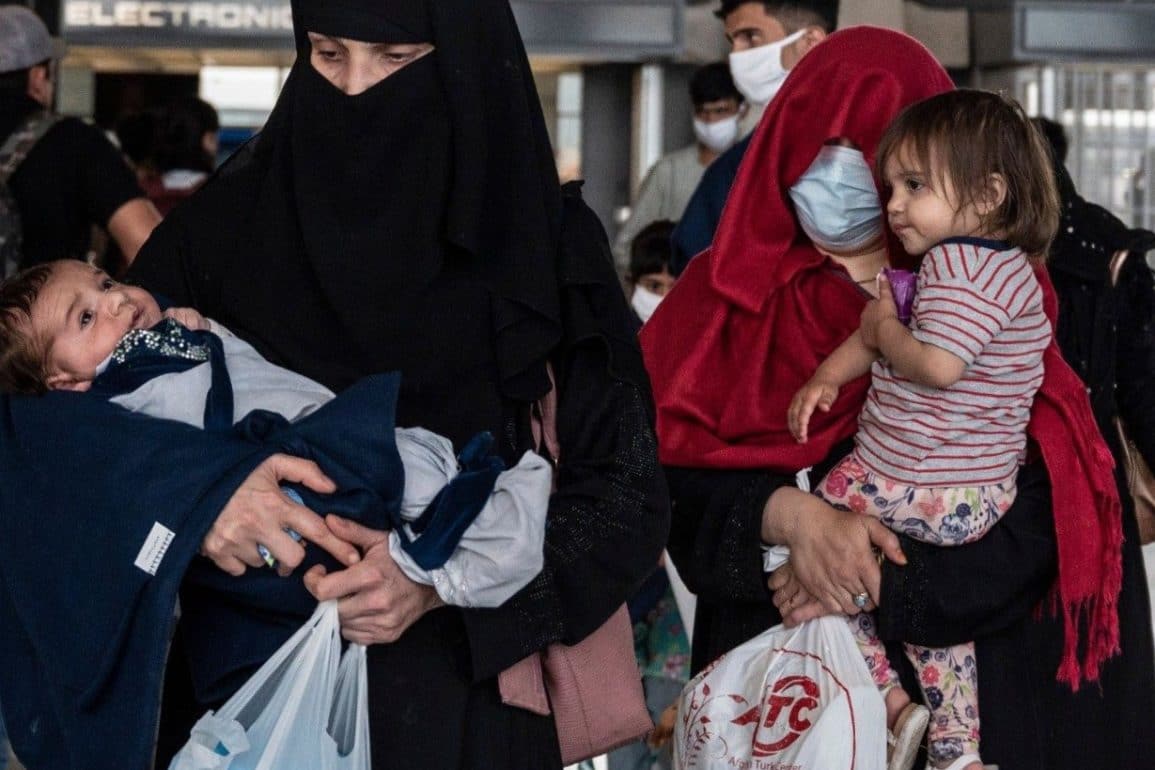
x: 886, y: 541
x: 359, y: 535
x: 300, y: 471
x: 803, y: 612
x: 831, y: 555
x: 259, y: 513
x: 347, y: 582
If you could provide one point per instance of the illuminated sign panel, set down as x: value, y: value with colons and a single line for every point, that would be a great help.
x: 607, y: 29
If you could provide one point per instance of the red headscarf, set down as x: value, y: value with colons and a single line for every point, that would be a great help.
x: 754, y: 315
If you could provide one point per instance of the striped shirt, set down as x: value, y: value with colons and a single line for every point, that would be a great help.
x: 980, y: 301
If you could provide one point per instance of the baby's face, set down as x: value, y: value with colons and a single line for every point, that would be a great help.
x: 83, y: 314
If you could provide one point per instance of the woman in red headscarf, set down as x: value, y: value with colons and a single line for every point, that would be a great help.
x: 746, y: 326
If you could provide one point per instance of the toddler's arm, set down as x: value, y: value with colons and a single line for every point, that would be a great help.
x: 850, y: 361
x: 921, y: 362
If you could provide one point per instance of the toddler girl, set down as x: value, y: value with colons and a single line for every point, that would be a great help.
x: 943, y: 431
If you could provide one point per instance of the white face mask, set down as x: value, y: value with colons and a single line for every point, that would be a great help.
x: 720, y: 135
x: 758, y: 72
x: 836, y: 201
x: 645, y: 303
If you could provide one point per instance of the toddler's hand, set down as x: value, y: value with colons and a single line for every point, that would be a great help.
x: 188, y: 318
x: 877, y: 311
x: 813, y: 395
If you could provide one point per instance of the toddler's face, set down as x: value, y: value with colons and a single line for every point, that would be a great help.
x: 923, y: 209
x: 83, y: 314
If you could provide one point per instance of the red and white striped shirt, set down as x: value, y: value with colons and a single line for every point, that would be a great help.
x: 980, y: 301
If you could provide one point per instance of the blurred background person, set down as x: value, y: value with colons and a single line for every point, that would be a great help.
x: 184, y: 151
x: 648, y: 272
x: 72, y: 178
x: 718, y: 108
x: 767, y: 39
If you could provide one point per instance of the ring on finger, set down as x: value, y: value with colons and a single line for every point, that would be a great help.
x: 861, y: 599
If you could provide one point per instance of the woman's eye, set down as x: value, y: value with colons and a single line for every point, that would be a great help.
x: 107, y: 284
x: 329, y: 54
x: 86, y: 317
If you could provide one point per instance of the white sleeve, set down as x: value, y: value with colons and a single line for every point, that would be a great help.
x: 502, y: 550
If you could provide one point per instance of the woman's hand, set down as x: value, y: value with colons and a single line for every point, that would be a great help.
x: 258, y: 514
x: 377, y: 602
x: 793, y: 602
x: 831, y: 551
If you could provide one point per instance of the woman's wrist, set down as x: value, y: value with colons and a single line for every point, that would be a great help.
x: 780, y: 516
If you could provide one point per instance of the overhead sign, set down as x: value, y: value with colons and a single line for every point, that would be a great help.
x: 179, y: 24
x: 590, y: 29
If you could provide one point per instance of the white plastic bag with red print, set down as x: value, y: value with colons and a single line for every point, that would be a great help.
x: 788, y: 699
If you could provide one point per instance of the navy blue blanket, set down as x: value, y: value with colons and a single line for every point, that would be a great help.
x: 87, y: 492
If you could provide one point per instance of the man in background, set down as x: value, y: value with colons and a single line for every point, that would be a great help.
x: 71, y: 177
x: 718, y: 108
x: 767, y: 39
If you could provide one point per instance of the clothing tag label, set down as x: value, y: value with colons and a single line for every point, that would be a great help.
x: 154, y: 548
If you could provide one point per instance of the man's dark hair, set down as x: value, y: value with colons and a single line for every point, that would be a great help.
x: 650, y: 250
x: 712, y: 82
x: 792, y: 14
x: 1055, y: 135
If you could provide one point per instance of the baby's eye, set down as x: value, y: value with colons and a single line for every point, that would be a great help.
x: 86, y: 317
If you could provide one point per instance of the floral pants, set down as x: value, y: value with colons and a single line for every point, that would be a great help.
x: 943, y: 516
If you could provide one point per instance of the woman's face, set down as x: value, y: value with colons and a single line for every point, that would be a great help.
x: 354, y: 66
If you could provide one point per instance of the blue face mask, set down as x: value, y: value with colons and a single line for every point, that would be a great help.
x: 836, y: 201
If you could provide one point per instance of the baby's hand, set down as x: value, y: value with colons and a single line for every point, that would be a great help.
x: 188, y: 318
x: 877, y: 311
x: 814, y: 394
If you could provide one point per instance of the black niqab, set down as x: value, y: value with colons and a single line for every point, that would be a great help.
x: 412, y: 227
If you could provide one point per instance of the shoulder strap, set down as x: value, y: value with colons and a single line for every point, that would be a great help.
x: 21, y: 141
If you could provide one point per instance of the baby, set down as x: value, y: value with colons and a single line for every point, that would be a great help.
x: 67, y: 325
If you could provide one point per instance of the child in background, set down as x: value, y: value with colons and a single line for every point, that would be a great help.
x: 943, y: 431
x: 649, y: 277
x: 67, y: 325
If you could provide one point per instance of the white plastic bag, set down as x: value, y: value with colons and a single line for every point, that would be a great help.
x: 788, y: 699
x: 306, y: 708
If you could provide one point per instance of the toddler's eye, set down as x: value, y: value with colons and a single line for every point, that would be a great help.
x: 913, y: 185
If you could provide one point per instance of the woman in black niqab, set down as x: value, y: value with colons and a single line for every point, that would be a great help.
x: 419, y: 226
